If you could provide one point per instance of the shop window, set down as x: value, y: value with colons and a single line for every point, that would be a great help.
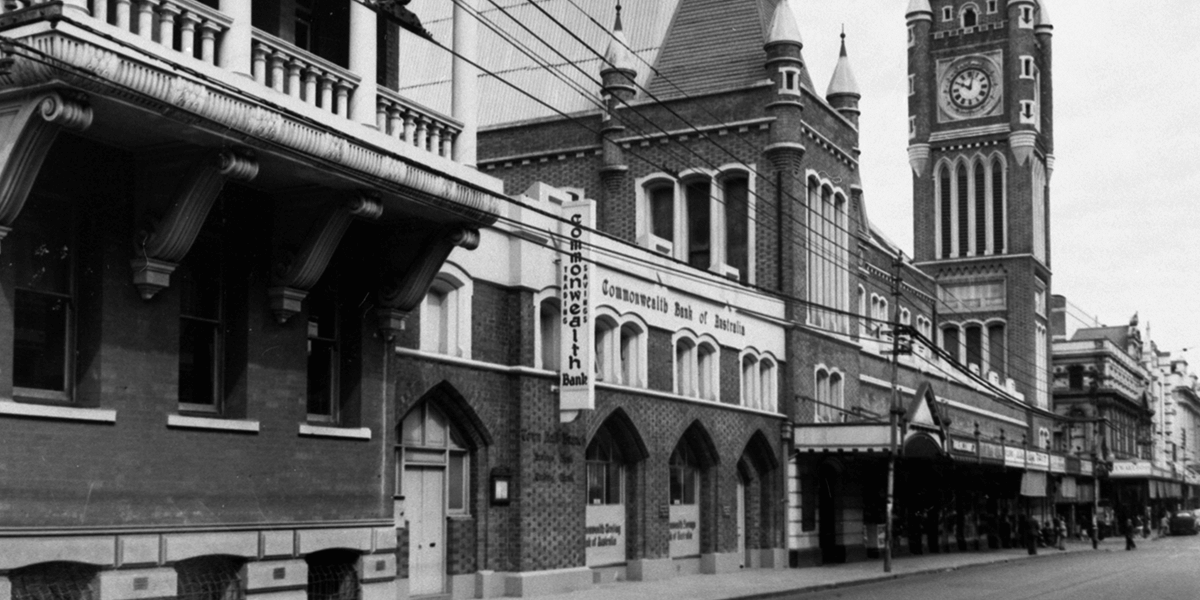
x: 324, y: 357
x: 201, y: 326
x: 684, y: 476
x: 333, y: 575
x: 428, y: 439
x: 55, y: 581
x: 549, y: 333
x: 446, y: 315
x: 42, y: 252
x: 605, y: 473
x: 209, y: 578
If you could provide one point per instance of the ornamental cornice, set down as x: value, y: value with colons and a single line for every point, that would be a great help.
x: 57, y: 57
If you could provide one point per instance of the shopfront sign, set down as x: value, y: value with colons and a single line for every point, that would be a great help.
x: 1037, y: 461
x: 577, y: 385
x: 962, y: 446
x: 1014, y: 457
x: 683, y: 528
x: 604, y: 534
x: 1058, y: 464
x: 1131, y: 468
x: 993, y: 452
x: 1085, y: 467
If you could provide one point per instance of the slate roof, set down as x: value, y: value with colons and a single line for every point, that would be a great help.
x: 704, y: 46
x: 1117, y: 335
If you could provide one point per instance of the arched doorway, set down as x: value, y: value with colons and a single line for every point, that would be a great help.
x: 612, y: 457
x: 434, y: 467
x: 689, y: 494
x: 757, y: 514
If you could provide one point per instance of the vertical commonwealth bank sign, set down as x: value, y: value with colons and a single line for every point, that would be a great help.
x: 577, y: 386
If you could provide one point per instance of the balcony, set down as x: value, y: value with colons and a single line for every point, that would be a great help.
x: 220, y: 47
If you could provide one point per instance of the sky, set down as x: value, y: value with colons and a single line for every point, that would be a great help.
x: 1125, y: 191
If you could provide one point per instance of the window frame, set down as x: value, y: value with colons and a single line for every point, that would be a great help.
x: 683, y: 463
x: 68, y: 298
x: 334, y: 415
x: 542, y: 346
x: 218, y: 325
x: 453, y: 446
x: 458, y: 288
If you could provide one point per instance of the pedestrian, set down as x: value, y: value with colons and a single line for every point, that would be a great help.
x: 1164, y: 525
x: 1129, y: 543
x: 1031, y: 533
x: 1061, y: 530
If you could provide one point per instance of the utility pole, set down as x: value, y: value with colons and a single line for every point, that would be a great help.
x: 894, y: 413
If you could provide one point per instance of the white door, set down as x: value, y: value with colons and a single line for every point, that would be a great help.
x: 741, y: 522
x: 425, y: 505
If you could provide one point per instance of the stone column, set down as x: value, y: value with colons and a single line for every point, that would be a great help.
x: 235, y: 45
x: 465, y: 77
x: 364, y: 57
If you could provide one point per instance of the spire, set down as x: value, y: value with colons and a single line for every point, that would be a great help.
x: 617, y: 55
x: 843, y: 81
x: 783, y: 26
x: 1043, y: 16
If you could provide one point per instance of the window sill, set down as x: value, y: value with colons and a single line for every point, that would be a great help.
x: 187, y: 422
x: 64, y: 413
x: 329, y: 431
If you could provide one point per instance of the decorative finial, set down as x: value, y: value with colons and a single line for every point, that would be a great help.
x: 617, y: 26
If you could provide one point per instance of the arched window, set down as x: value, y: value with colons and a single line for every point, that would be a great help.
x: 446, y: 315
x: 209, y: 578
x: 767, y: 387
x: 605, y: 471
x: 974, y: 344
x: 549, y: 332
x: 632, y: 351
x: 684, y: 476
x: 837, y: 396
x: 750, y: 381
x: 685, y: 367
x: 824, y: 411
x: 996, y: 345
x: 698, y: 192
x: 607, y: 356
x: 950, y: 341
x: 998, y: 206
x: 969, y: 17
x: 333, y: 575
x: 661, y: 196
x: 736, y: 194
x: 56, y: 581
x: 862, y: 311
x: 981, y: 212
x: 706, y: 371
x: 428, y: 439
x: 964, y: 202
x: 946, y: 205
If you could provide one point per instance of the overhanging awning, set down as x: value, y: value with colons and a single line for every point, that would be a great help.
x: 842, y: 437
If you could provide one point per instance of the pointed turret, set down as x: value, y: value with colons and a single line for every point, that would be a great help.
x: 843, y: 93
x: 783, y: 26
x: 618, y: 87
x: 919, y: 7
x: 617, y: 74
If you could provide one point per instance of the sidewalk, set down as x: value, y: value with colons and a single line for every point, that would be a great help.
x: 760, y: 584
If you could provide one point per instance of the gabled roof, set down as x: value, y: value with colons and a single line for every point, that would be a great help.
x: 425, y: 68
x: 697, y: 46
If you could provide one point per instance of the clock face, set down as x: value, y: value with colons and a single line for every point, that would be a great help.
x: 970, y: 87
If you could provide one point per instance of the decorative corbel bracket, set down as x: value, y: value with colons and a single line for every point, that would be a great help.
x: 401, y: 294
x: 297, y: 276
x: 28, y: 128
x: 160, y: 251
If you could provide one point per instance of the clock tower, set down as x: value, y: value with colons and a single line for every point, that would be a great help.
x: 981, y: 150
